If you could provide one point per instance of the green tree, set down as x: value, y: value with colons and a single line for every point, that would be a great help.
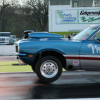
x: 37, y: 14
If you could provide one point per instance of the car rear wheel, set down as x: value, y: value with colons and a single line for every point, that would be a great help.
x: 48, y: 68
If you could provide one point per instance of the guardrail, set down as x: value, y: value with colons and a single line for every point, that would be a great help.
x: 7, y: 50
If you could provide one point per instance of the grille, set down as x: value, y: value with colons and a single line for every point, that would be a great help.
x: 2, y: 39
x: 16, y: 48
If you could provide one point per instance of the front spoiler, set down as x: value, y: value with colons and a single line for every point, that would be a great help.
x: 23, y: 58
x: 19, y: 54
x: 18, y: 59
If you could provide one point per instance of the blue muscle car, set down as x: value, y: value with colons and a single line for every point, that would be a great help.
x: 48, y: 53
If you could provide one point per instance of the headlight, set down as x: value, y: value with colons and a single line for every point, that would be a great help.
x: 7, y: 39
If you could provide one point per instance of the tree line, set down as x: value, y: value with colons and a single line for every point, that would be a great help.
x: 16, y: 18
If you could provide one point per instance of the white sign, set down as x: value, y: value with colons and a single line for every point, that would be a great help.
x: 90, y: 16
x: 66, y: 16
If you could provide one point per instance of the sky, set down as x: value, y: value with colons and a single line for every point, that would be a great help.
x: 20, y: 1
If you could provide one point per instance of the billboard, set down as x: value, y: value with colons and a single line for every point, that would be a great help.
x: 62, y: 19
x: 89, y: 16
x: 66, y: 16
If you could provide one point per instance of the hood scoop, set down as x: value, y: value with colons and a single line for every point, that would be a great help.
x: 44, y: 35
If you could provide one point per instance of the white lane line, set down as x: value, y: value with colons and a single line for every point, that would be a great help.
x: 71, y: 99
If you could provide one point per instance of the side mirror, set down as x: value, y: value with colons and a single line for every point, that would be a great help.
x: 98, y: 38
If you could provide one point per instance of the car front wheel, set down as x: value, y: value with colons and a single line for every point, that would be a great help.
x: 48, y: 68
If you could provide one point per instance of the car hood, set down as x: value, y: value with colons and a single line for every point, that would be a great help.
x: 4, y: 37
x: 44, y: 35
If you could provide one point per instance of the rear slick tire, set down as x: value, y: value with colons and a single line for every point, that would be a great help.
x: 48, y: 69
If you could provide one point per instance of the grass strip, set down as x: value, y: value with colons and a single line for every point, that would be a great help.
x: 63, y: 33
x: 7, y: 66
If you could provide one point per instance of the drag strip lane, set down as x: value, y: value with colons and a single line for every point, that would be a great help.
x: 7, y: 58
x: 69, y: 85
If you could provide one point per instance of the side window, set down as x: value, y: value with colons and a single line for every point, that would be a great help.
x: 95, y: 36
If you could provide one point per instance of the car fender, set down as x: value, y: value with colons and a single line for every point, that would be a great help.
x: 49, y: 49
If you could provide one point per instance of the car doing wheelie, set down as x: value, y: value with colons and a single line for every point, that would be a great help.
x: 48, y: 53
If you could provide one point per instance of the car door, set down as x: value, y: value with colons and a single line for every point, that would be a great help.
x: 90, y: 53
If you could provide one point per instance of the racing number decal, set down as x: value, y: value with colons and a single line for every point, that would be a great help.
x: 95, y: 48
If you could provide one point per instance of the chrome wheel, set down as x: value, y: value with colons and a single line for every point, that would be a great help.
x: 49, y: 69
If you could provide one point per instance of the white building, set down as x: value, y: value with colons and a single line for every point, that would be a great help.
x: 73, y: 15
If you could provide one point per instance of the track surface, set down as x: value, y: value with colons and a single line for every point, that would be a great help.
x: 78, y: 84
x: 7, y: 58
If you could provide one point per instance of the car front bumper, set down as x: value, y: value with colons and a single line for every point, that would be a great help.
x: 24, y: 58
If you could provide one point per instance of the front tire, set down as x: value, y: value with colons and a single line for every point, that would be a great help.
x: 48, y: 68
x: 33, y: 68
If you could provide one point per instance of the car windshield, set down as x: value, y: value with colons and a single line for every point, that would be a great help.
x: 4, y: 34
x: 85, y: 33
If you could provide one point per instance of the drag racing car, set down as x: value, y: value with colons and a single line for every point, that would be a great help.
x: 48, y: 53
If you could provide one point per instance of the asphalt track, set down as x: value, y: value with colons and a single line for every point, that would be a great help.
x: 70, y: 85
x: 7, y: 58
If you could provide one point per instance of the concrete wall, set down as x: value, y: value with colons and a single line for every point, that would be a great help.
x: 7, y: 50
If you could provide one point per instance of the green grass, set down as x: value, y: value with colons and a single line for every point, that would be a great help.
x: 62, y: 33
x: 8, y: 67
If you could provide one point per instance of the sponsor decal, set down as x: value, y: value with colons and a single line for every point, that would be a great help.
x: 89, y: 16
x: 44, y: 39
x: 76, y: 62
x: 90, y: 19
x: 95, y: 48
x: 66, y: 16
x: 89, y: 13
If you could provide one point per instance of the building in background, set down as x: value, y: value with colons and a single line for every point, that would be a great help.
x: 45, y: 1
x: 73, y: 15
